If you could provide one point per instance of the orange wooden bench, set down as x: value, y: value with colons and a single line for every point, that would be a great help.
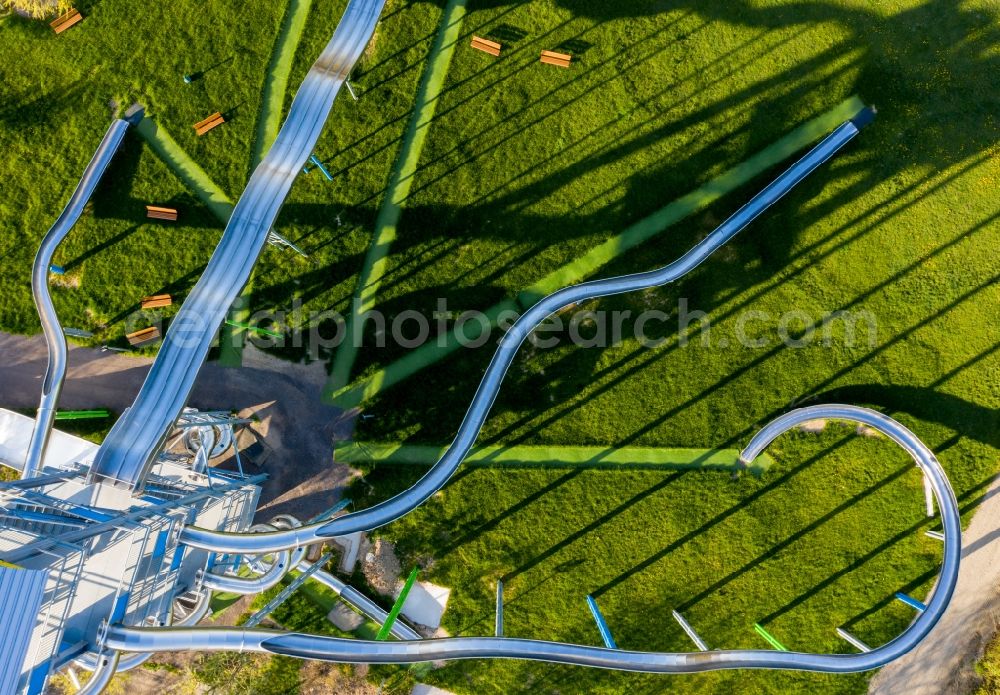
x: 146, y: 335
x: 486, y: 46
x: 566, y: 309
x: 156, y: 301
x: 552, y: 58
x: 65, y: 21
x: 158, y: 213
x: 202, y: 127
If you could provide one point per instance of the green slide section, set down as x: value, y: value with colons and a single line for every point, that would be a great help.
x: 770, y: 638
x: 352, y: 395
x: 192, y: 175
x: 628, y: 457
x: 81, y: 414
x: 276, y: 82
x: 383, y: 634
x: 255, y: 329
x: 400, y: 181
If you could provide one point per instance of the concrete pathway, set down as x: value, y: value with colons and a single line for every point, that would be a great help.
x: 944, y: 662
x: 286, y: 397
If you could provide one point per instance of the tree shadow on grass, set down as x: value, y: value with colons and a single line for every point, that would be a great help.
x: 968, y: 502
x: 965, y: 133
x: 973, y: 420
x: 30, y: 108
x: 908, y: 104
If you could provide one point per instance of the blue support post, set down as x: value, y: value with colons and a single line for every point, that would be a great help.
x: 910, y: 601
x: 602, y: 625
x: 57, y: 269
x: 319, y: 165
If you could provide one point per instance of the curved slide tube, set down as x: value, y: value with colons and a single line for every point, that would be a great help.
x: 106, y: 667
x: 283, y: 561
x: 250, y: 585
x: 355, y: 651
x: 199, y: 611
x: 133, y: 443
x: 92, y: 661
x: 55, y: 339
x: 356, y: 599
x: 475, y: 416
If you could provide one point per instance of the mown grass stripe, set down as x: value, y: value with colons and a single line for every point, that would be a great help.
x: 412, y: 362
x: 186, y: 169
x: 400, y: 181
x: 278, y: 72
x: 232, y: 336
x: 355, y: 394
x: 528, y: 456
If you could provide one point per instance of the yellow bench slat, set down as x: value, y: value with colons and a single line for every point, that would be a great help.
x: 144, y: 336
x: 158, y: 213
x: 156, y: 301
x: 64, y: 22
x: 563, y: 60
x: 202, y: 127
x: 487, y: 46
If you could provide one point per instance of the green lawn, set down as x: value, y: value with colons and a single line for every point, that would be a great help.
x: 527, y: 167
x: 54, y: 96
x: 821, y: 540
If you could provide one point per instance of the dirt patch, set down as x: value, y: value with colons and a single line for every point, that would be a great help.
x: 160, y: 678
x: 297, y: 429
x: 381, y: 568
x: 321, y: 678
x: 67, y: 281
x: 866, y: 431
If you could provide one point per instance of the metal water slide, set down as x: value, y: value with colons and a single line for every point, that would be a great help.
x: 351, y: 596
x: 489, y: 386
x: 134, y: 442
x: 55, y: 338
x: 137, y: 639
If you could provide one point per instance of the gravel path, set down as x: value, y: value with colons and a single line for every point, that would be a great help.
x: 944, y: 661
x: 286, y: 397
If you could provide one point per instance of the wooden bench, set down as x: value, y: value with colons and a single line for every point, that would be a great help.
x: 202, y: 127
x: 569, y: 308
x: 146, y: 335
x: 64, y: 22
x: 552, y: 58
x: 156, y: 301
x: 158, y: 213
x: 486, y: 46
